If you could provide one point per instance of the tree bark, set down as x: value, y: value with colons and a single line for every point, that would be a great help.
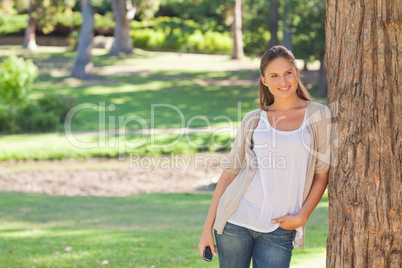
x: 30, y: 30
x: 237, y: 49
x: 363, y: 60
x: 83, y: 60
x: 322, y: 83
x: 124, y: 12
x: 273, y: 23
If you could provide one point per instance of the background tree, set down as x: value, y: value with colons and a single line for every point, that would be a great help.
x: 273, y: 22
x: 237, y: 34
x: 43, y: 15
x: 124, y: 12
x: 83, y: 60
x: 363, y: 41
x: 30, y: 30
x: 287, y: 26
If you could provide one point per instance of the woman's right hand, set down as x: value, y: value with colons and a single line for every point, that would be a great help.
x: 207, y: 239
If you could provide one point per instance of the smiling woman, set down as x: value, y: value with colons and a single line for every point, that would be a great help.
x: 279, y: 74
x: 259, y: 210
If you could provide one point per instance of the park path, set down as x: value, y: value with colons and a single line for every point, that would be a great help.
x: 113, y: 177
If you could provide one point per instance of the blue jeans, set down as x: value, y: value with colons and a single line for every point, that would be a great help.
x: 237, y: 245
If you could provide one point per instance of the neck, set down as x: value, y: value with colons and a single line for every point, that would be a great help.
x: 288, y: 104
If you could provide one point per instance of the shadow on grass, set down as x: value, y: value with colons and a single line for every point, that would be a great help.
x: 159, y: 210
x: 144, y: 230
x: 178, y: 95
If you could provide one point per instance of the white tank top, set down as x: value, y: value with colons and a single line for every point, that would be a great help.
x: 277, y: 187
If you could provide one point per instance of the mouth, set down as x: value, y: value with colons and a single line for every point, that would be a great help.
x: 284, y: 89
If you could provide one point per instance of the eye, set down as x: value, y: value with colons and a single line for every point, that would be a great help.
x: 289, y: 72
x: 274, y: 75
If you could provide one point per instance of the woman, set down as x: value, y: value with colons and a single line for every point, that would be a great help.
x: 275, y: 174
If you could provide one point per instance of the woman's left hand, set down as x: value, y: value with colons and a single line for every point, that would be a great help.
x: 290, y: 222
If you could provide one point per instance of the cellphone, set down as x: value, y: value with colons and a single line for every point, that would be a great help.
x: 207, y: 254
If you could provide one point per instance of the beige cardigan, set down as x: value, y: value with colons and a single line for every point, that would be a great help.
x: 241, y: 158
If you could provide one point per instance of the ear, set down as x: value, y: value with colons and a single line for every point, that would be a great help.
x: 263, y: 81
x: 297, y: 72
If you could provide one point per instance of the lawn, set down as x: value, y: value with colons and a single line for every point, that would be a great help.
x: 57, y: 146
x: 148, y: 90
x: 160, y: 230
x: 132, y: 84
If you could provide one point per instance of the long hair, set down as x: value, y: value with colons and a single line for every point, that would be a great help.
x: 266, y: 97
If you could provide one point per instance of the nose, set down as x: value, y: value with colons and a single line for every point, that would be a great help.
x: 282, y: 80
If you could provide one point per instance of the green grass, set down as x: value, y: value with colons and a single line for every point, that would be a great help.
x: 157, y: 78
x: 144, y: 230
x: 57, y: 146
x: 175, y: 81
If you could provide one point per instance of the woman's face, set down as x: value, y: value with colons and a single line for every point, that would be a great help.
x: 281, y: 78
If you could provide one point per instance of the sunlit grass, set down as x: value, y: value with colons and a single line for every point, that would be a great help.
x: 144, y: 230
x: 146, y: 90
x: 59, y: 146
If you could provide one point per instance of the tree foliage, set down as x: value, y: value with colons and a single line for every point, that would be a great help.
x: 304, y: 19
x: 146, y: 9
x: 308, y: 28
x: 45, y: 12
x: 197, y: 10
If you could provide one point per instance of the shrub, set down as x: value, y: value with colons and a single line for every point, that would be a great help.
x: 13, y: 24
x: 24, y: 116
x: 148, y: 38
x: 196, y: 41
x: 217, y: 42
x: 43, y: 115
x: 174, y: 34
x: 105, y: 20
x: 6, y: 124
x: 44, y: 122
x: 16, y: 77
x: 59, y: 105
x: 72, y: 20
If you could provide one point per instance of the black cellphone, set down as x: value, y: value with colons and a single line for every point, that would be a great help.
x: 207, y: 254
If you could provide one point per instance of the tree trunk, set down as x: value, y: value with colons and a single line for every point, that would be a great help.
x: 287, y: 27
x: 30, y: 35
x: 124, y: 11
x: 237, y: 50
x: 83, y: 60
x: 363, y: 50
x: 273, y: 23
x: 322, y: 84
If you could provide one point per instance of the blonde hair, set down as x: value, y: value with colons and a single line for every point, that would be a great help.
x: 266, y: 97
